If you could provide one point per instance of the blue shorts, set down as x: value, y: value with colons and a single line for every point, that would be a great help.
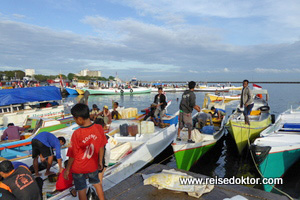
x: 80, y: 180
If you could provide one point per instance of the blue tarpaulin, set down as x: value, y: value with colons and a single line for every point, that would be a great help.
x: 158, y: 84
x: 24, y: 95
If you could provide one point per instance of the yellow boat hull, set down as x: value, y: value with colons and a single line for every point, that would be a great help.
x: 221, y: 98
x: 80, y: 92
x: 241, y: 132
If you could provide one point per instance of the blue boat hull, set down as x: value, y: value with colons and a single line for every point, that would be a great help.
x: 71, y: 91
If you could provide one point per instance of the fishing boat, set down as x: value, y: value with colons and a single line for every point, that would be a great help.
x: 211, y: 89
x: 71, y: 91
x: 128, y: 153
x: 260, y: 118
x: 16, y: 104
x: 165, y: 89
x: 117, y: 91
x: 226, y: 98
x: 187, y: 154
x: 278, y: 148
x: 13, y: 150
x: 80, y: 91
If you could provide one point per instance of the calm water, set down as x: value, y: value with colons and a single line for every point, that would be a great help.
x: 223, y: 160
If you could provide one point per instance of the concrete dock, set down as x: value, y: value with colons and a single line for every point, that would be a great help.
x: 133, y: 188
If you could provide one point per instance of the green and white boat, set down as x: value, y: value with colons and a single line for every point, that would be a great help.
x: 117, y: 91
x: 187, y: 154
x: 279, y: 146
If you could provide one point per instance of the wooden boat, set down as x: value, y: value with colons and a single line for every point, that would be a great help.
x: 222, y: 97
x: 165, y: 89
x: 187, y: 154
x: 235, y: 88
x: 80, y: 91
x: 278, y: 148
x: 133, y: 153
x: 211, y: 89
x: 71, y: 91
x: 18, y: 148
x: 260, y: 118
x: 116, y: 91
x: 17, y: 104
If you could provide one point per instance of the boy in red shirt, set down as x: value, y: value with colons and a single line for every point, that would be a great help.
x: 86, y: 152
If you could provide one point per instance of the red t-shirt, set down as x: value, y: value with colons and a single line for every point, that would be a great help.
x: 63, y: 183
x: 85, y: 145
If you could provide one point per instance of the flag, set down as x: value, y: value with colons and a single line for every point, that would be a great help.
x: 61, y: 82
x: 256, y: 87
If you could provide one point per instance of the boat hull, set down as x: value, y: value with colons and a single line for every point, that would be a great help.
x: 186, y: 155
x: 276, y: 164
x: 18, y: 117
x: 118, y: 91
x: 72, y: 91
x: 225, y: 98
x: 241, y: 132
x: 133, y: 162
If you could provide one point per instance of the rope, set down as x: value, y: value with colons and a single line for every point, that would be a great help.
x: 273, y: 186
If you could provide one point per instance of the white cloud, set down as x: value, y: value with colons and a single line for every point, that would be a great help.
x: 193, y: 71
x: 147, y: 50
x: 19, y: 16
x: 276, y: 71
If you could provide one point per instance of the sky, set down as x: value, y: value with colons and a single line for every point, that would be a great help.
x: 172, y: 40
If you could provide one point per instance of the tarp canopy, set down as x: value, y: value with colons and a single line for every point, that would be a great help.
x: 31, y: 94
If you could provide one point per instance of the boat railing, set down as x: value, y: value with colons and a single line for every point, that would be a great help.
x: 10, y: 108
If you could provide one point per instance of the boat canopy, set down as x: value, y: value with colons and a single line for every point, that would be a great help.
x: 260, y: 91
x: 31, y: 94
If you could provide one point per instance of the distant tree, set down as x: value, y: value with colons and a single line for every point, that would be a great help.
x: 40, y: 77
x: 111, y: 78
x: 71, y: 76
x: 19, y: 74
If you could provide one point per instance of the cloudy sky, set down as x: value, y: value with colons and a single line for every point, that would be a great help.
x: 211, y: 40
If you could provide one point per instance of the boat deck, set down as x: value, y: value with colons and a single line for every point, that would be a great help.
x: 133, y: 188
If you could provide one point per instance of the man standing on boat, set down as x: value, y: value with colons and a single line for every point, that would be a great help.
x: 161, y: 103
x: 187, y: 104
x: 246, y: 101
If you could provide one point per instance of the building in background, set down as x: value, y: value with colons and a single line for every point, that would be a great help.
x: 29, y: 72
x: 92, y: 73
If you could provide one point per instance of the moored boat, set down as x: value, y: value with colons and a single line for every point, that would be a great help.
x: 117, y: 91
x: 130, y: 153
x: 18, y: 148
x: 226, y: 98
x: 260, y: 118
x: 80, y: 91
x: 186, y: 154
x: 278, y: 148
x: 17, y: 104
x: 71, y: 91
